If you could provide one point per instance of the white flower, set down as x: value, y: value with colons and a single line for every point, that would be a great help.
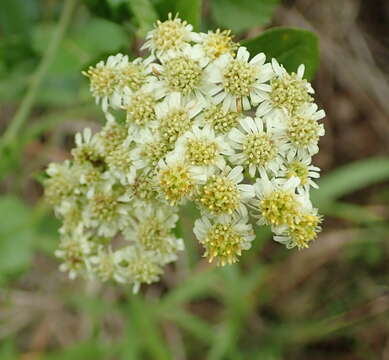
x: 107, y: 210
x: 175, y: 116
x: 151, y: 228
x: 137, y: 266
x: 302, y: 130
x: 256, y: 147
x: 302, y: 230
x: 201, y: 147
x: 173, y: 34
x: 217, y: 43
x: 88, y: 147
x: 276, y: 201
x: 223, y: 193
x: 177, y: 180
x: 182, y: 73
x: 73, y: 250
x: 287, y: 91
x: 123, y: 163
x: 302, y: 168
x: 224, y: 238
x: 113, y: 80
x: 237, y: 82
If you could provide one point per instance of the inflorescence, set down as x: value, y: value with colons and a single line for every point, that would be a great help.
x: 205, y: 123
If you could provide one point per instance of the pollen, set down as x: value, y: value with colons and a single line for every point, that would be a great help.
x: 182, y: 74
x: 222, y: 122
x: 223, y: 243
x: 170, y: 34
x: 132, y: 76
x: 176, y: 183
x: 304, y: 230
x: 219, y: 195
x: 155, y: 151
x: 141, y: 109
x: 201, y: 152
x: 104, y: 207
x: 103, y: 80
x: 85, y: 154
x: 173, y: 125
x: 113, y: 135
x: 279, y: 208
x: 152, y: 235
x: 303, y: 131
x: 259, y: 149
x: 289, y: 92
x: 218, y: 43
x: 119, y: 159
x: 144, y: 188
x: 298, y: 169
x: 239, y: 77
x: 57, y: 188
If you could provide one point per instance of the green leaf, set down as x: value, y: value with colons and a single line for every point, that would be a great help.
x: 145, y: 15
x: 290, y: 46
x: 16, y: 235
x: 243, y: 14
x: 190, y: 10
x: 351, y: 177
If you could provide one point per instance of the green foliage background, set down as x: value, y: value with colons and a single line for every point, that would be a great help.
x: 267, y: 307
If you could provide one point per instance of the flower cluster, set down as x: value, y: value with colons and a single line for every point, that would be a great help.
x: 205, y: 122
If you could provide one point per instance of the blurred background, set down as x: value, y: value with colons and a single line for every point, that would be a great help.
x: 328, y: 302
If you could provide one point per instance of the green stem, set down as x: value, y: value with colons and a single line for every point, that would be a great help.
x: 38, y: 76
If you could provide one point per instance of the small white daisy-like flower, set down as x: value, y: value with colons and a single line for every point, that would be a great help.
x: 177, y: 180
x: 288, y: 91
x: 61, y: 184
x: 150, y: 149
x: 175, y: 116
x: 107, y: 210
x: 111, y: 80
x: 238, y: 83
x: 221, y: 121
x: 103, y: 263
x: 302, y: 130
x: 182, y: 73
x: 302, y: 168
x: 172, y: 34
x: 224, y: 238
x: 256, y: 147
x: 201, y: 147
x: 151, y: 228
x: 88, y: 148
x: 123, y: 163
x: 276, y: 201
x: 112, y: 135
x: 73, y: 250
x: 140, y: 108
x: 217, y: 43
x: 223, y: 193
x: 303, y: 230
x: 137, y: 266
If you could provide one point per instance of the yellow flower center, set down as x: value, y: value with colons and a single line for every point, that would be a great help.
x: 303, y: 131
x: 222, y: 122
x: 223, y: 243
x: 238, y: 78
x: 279, y: 208
x: 289, y: 92
x: 219, y: 195
x: 201, y: 152
x: 182, y: 74
x: 176, y: 183
x: 259, y: 149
